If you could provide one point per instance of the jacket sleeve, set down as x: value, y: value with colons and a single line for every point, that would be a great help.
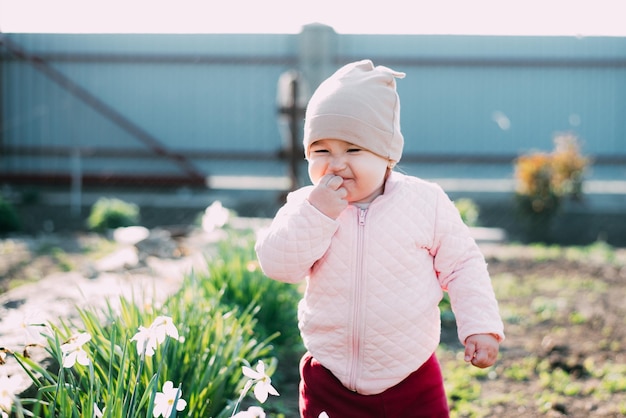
x: 298, y: 236
x: 462, y: 271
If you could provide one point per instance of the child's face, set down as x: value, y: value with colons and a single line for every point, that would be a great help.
x: 363, y: 172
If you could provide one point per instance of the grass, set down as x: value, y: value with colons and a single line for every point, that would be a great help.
x: 228, y: 315
x: 541, y: 307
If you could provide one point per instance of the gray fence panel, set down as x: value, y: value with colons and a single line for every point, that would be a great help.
x: 211, y: 99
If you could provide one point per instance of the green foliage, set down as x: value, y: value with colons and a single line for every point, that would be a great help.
x: 445, y: 308
x: 218, y: 337
x: 560, y: 382
x: 110, y: 213
x: 613, y: 378
x: 463, y: 388
x: 57, y: 254
x: 469, y: 211
x: 544, y: 179
x: 229, y: 314
x: 522, y: 371
x: 9, y: 221
x: 239, y: 276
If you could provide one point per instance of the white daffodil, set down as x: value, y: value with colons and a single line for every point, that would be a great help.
x: 149, y: 338
x: 97, y: 413
x: 33, y: 327
x: 7, y: 386
x: 165, y: 401
x: 262, y: 382
x: 252, y: 412
x: 145, y: 341
x: 73, y: 350
x: 215, y: 216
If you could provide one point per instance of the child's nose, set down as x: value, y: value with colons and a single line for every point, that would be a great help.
x: 337, y: 163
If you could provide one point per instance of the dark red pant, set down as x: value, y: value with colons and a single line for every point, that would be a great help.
x: 420, y: 395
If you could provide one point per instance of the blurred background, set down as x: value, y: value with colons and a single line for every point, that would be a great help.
x: 175, y: 107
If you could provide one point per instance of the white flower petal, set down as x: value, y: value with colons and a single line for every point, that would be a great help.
x: 82, y: 357
x: 271, y: 390
x: 260, y: 367
x: 260, y: 392
x: 69, y: 360
x: 252, y: 374
x: 167, y: 387
x: 181, y: 404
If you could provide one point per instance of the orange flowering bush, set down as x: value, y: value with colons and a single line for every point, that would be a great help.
x: 568, y: 166
x: 534, y: 176
x: 543, y: 179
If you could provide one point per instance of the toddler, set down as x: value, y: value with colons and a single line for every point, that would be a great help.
x: 377, y: 249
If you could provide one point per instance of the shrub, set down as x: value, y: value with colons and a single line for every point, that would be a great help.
x: 544, y: 179
x: 468, y: 210
x: 9, y: 221
x: 111, y: 213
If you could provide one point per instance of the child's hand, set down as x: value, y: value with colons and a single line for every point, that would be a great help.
x: 481, y: 350
x: 328, y: 196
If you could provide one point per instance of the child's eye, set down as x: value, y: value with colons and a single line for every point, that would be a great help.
x: 354, y: 150
x: 320, y: 151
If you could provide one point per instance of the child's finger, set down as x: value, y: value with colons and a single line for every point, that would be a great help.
x: 481, y: 359
x: 470, y: 351
x: 323, y: 181
x: 334, y: 182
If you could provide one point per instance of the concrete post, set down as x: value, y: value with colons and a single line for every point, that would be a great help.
x: 317, y: 53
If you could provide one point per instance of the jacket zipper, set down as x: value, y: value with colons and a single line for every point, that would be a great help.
x: 356, y: 312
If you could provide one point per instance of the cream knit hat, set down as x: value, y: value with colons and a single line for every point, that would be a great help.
x: 358, y: 104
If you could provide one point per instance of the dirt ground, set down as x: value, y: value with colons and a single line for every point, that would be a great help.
x: 565, y: 321
x: 564, y: 312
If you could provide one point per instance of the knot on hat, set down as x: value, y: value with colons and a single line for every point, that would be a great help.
x: 357, y: 104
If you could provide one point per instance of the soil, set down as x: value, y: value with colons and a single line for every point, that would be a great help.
x: 564, y: 315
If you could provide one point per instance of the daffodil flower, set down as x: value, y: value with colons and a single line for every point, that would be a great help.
x: 7, y: 386
x: 262, y: 382
x: 165, y: 401
x: 73, y: 350
x: 97, y: 413
x: 146, y: 342
x: 252, y: 412
x: 32, y: 329
x: 149, y: 338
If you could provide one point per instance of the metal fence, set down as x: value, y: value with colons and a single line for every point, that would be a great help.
x: 178, y: 109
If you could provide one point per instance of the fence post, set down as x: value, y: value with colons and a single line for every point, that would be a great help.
x: 292, y: 97
x: 317, y: 53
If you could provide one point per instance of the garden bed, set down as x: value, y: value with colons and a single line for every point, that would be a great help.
x: 564, y: 312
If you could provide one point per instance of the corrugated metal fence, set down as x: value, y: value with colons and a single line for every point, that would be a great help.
x: 180, y: 108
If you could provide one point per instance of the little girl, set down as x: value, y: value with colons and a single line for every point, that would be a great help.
x: 377, y: 250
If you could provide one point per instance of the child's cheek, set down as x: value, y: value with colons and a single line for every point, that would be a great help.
x: 315, y: 172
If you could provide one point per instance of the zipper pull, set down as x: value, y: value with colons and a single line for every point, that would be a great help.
x: 362, y: 216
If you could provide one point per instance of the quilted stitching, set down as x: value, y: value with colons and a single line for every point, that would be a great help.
x: 415, y: 246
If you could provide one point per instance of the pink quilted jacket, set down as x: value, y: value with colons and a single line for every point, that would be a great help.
x: 375, y: 278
